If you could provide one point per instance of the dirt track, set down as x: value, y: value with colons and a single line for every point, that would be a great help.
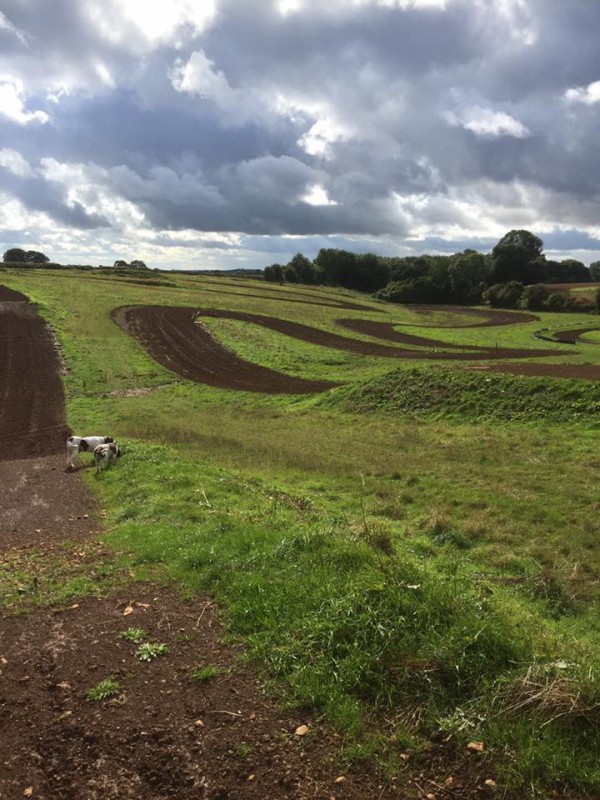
x: 32, y: 417
x: 177, y: 339
x: 173, y: 339
x: 165, y: 734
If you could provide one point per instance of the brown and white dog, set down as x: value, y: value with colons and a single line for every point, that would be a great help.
x: 105, y: 455
x: 83, y: 444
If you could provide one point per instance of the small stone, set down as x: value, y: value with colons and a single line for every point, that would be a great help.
x: 476, y: 747
x: 199, y: 723
x: 302, y: 730
x: 341, y: 779
x: 490, y: 783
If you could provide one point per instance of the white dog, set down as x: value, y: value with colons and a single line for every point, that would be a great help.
x: 83, y: 444
x: 105, y: 455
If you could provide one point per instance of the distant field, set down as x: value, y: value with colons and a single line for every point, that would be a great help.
x: 410, y: 547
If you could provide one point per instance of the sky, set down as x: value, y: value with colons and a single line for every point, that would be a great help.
x: 227, y: 134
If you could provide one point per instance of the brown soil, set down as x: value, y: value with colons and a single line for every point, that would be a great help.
x: 165, y: 734
x: 572, y: 337
x: 178, y: 343
x: 175, y: 337
x: 32, y: 417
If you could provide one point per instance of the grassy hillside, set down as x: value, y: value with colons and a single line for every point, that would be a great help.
x: 414, y: 553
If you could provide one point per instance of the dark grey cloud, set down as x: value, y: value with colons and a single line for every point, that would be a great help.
x: 367, y: 123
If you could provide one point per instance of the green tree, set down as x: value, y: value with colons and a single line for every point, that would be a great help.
x: 303, y: 267
x: 415, y: 290
x: 15, y: 256
x: 515, y: 256
x: 120, y: 263
x: 558, y: 301
x: 137, y: 264
x: 595, y: 271
x: 467, y: 271
x: 535, y: 297
x: 290, y: 274
x: 35, y: 257
x: 370, y: 273
x: 274, y: 273
x: 337, y: 265
x: 504, y: 295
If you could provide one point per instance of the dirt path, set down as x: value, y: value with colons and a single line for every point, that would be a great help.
x: 173, y: 339
x: 32, y: 417
x: 169, y: 731
x: 177, y: 338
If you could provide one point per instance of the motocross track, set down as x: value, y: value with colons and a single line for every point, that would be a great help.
x: 32, y: 417
x: 176, y: 338
x: 164, y: 735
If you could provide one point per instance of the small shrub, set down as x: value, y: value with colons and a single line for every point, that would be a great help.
x: 136, y: 635
x: 151, y: 650
x: 105, y: 689
x: 203, y: 674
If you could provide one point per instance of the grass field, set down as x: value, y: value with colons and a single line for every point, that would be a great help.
x: 414, y: 551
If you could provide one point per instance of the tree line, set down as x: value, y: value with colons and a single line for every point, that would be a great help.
x: 504, y: 277
x: 16, y: 255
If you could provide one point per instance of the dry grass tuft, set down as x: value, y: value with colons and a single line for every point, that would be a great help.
x: 548, y: 696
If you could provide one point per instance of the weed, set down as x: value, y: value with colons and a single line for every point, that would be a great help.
x: 136, y: 635
x: 103, y: 690
x: 151, y: 650
x: 207, y: 673
x: 243, y: 750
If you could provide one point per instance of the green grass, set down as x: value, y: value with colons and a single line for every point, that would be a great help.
x: 151, y: 650
x: 206, y: 673
x: 472, y: 396
x: 418, y: 546
x: 107, y: 688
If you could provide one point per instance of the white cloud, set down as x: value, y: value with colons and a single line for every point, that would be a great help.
x: 589, y: 95
x: 317, y: 196
x: 88, y: 186
x: 199, y: 76
x: 155, y: 23
x: 318, y: 140
x: 486, y: 122
x: 6, y: 25
x: 14, y: 162
x: 12, y: 103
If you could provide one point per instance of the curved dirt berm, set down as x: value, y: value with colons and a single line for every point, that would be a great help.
x: 573, y: 336
x: 32, y: 408
x: 487, y: 317
x: 175, y: 340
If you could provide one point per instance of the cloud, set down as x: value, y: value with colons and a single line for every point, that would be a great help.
x: 486, y: 122
x: 14, y: 162
x: 243, y: 129
x: 589, y: 95
x: 12, y: 103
